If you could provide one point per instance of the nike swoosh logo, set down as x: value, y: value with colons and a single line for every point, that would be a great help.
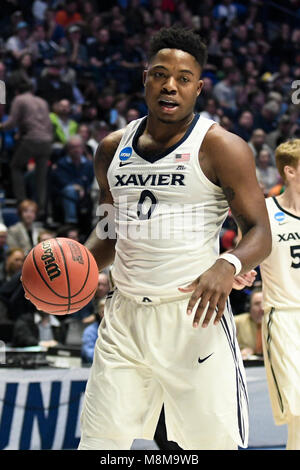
x: 282, y: 223
x: 202, y: 360
x: 124, y: 164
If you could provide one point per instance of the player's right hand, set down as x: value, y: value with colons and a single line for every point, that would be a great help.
x: 212, y: 288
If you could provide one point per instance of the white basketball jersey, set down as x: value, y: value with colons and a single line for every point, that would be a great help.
x: 281, y: 270
x: 168, y: 215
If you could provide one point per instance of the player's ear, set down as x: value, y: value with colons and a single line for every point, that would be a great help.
x: 200, y: 86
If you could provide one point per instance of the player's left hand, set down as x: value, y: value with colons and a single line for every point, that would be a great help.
x: 212, y: 287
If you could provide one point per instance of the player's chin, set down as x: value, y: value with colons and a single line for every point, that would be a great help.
x: 169, y: 118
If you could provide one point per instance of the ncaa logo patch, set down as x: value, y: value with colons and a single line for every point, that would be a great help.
x: 125, y: 154
x: 279, y: 216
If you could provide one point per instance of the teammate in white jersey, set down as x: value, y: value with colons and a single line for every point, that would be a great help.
x: 168, y: 335
x: 281, y: 291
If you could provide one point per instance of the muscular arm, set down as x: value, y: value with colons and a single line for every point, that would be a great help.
x: 104, y: 249
x: 230, y: 164
x: 234, y: 168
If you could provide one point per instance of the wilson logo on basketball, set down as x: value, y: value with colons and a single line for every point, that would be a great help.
x: 48, y: 258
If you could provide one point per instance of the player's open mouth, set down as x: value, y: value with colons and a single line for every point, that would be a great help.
x: 168, y: 104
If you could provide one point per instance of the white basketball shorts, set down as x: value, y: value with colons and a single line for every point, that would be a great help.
x: 148, y: 354
x: 281, y: 346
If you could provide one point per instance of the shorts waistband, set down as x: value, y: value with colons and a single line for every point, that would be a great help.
x: 148, y: 300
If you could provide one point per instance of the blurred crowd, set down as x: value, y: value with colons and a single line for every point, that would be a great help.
x: 73, y: 73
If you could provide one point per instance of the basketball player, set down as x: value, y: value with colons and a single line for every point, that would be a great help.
x: 168, y: 334
x: 281, y: 292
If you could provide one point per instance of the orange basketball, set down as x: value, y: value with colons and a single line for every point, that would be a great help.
x: 60, y: 276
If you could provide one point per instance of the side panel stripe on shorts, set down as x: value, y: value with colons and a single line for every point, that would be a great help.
x: 269, y: 340
x: 240, y: 384
x: 232, y: 343
x: 238, y: 391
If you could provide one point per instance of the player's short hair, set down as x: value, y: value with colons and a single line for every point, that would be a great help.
x: 287, y: 153
x: 178, y: 38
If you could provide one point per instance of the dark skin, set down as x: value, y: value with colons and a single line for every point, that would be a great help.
x: 172, y: 85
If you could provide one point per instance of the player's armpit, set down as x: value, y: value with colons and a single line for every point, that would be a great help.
x: 234, y: 167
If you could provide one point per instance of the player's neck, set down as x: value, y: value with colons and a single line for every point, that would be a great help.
x: 290, y: 200
x: 163, y: 132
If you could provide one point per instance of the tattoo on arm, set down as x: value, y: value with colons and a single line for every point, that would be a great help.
x: 243, y: 223
x: 241, y: 220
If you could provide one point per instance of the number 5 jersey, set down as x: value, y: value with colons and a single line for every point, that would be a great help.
x: 281, y: 270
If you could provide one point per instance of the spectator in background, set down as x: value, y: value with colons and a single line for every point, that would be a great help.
x: 54, y: 31
x: 228, y: 240
x: 102, y: 56
x: 130, y: 65
x: 24, y: 234
x: 282, y: 133
x: 90, y: 335
x: 266, y: 118
x: 3, y: 251
x: 39, y: 8
x: 67, y: 74
x: 99, y: 130
x: 51, y: 87
x: 226, y: 12
x: 248, y: 326
x: 13, y: 263
x: 30, y: 114
x: 225, y: 91
x: 64, y: 126
x: 267, y: 174
x: 85, y: 133
x: 118, y: 114
x: 211, y: 110
x: 68, y: 14
x: 82, y: 326
x: 43, y: 48
x: 91, y: 331
x: 23, y: 72
x: 45, y: 234
x: 73, y: 177
x: 8, y: 136
x: 69, y: 231
x: 226, y: 123
x: 77, y: 52
x: 244, y: 126
x: 38, y: 328
x: 17, y: 44
x: 132, y: 114
x: 12, y: 296
x: 105, y: 103
x: 258, y: 143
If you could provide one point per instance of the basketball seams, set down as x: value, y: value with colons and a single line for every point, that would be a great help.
x: 66, y: 272
x: 58, y: 305
x: 61, y: 252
